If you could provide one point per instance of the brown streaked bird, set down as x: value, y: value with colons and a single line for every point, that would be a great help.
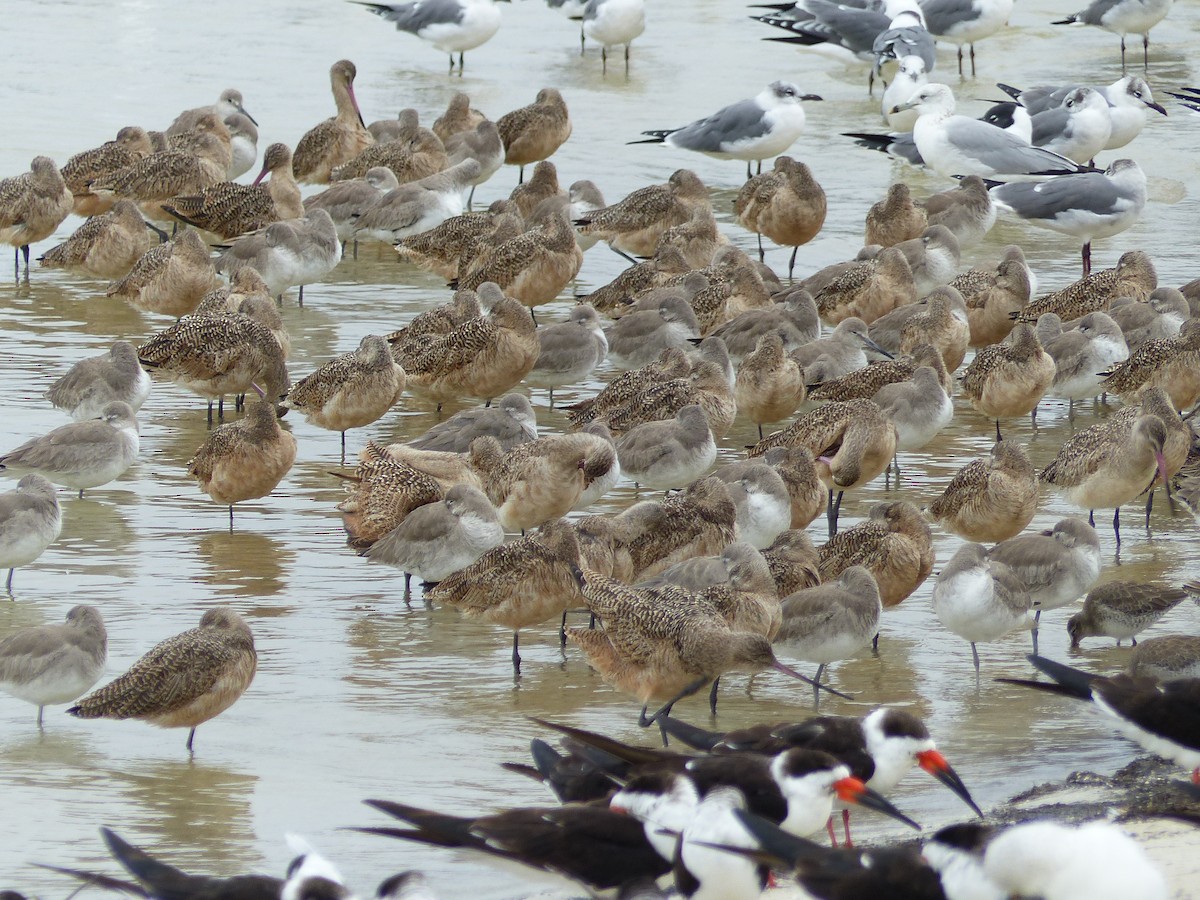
x: 382, y: 491
x: 409, y: 160
x: 635, y: 224
x: 532, y: 133
x: 943, y: 323
x: 627, y: 387
x: 770, y: 384
x: 209, y: 137
x: 404, y: 127
x: 183, y: 681
x: 793, y: 561
x: 618, y: 297
x: 229, y: 209
x: 32, y: 206
x: 893, y: 543
x: 699, y: 521
x: 698, y: 240
x: 732, y: 290
x: 535, y: 266
x: 439, y: 248
x: 865, y: 383
x: 966, y: 209
x: 519, y: 584
x: 1134, y: 276
x: 447, y: 469
x: 169, y: 279
x: 131, y: 144
x: 476, y: 250
x: 707, y: 385
x: 1156, y: 402
x: 244, y: 460
x: 1172, y: 364
x: 823, y: 277
x: 1166, y: 658
x: 895, y: 218
x: 990, y: 500
x: 1109, y: 464
x: 248, y: 294
x: 869, y: 290
x: 351, y: 390
x: 787, y: 205
x: 1121, y: 610
x: 541, y: 186
x: 459, y: 116
x: 853, y: 442
x: 106, y: 245
x: 50, y: 664
x: 1010, y: 378
x: 995, y: 296
x: 336, y: 140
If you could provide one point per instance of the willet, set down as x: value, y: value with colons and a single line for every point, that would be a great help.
x: 1161, y: 316
x: 243, y: 144
x: 131, y: 144
x: 348, y: 201
x: 92, y: 383
x: 106, y: 245
x: 351, y: 390
x: 382, y: 491
x: 229, y: 103
x: 404, y: 128
x: 569, y: 351
x: 336, y: 140
x: 184, y: 681
x: 217, y: 355
x: 1122, y: 17
x: 246, y: 459
x: 482, y: 144
x: 30, y: 521
x: 639, y: 337
x: 1172, y: 364
x: 793, y: 562
x: 1133, y: 276
x: 893, y: 543
x: 993, y: 298
x: 459, y: 117
x: 419, y: 205
x: 519, y: 584
x: 979, y: 598
x: 81, y: 455
x: 798, y: 470
x: 535, y: 266
x: 787, y: 205
x: 832, y: 621
x: 169, y: 278
x: 668, y: 453
x: 701, y: 572
x: 793, y: 317
x: 452, y: 26
x: 707, y: 385
x: 932, y: 257
x: 534, y: 132
x: 919, y: 408
x: 287, y: 254
x: 759, y: 128
x: 671, y: 364
x: 770, y: 384
x: 990, y: 499
x: 895, y: 218
x: 943, y: 323
x: 409, y: 160
x: 1121, y: 610
x: 1167, y: 658
x: 32, y: 206
x: 760, y: 496
x: 966, y: 210
x: 1107, y: 465
x: 872, y: 288
x: 50, y: 664
x: 1083, y: 354
x: 511, y: 422
x: 440, y: 538
x: 1010, y: 378
x: 839, y: 354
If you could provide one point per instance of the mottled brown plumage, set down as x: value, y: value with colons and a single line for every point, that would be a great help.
x: 131, y: 144
x: 441, y: 320
x: 706, y: 385
x: 458, y: 117
x: 895, y: 218
x: 1134, y: 276
x: 542, y: 185
x: 351, y: 390
x: 532, y: 267
x: 382, y: 491
x: 635, y: 224
x: 894, y: 544
x: 698, y: 521
x: 169, y: 278
x: 33, y: 205
x: 786, y: 205
x: 409, y: 160
x: 864, y: 383
x: 106, y: 245
x: 161, y: 176
x: 617, y: 297
x: 438, y: 249
x: 532, y: 133
x: 994, y: 296
x: 871, y: 289
x: 1170, y: 363
x: 337, y: 140
x: 939, y: 325
x: 990, y: 500
x: 793, y: 561
x: 671, y: 364
x: 1008, y: 379
x: 798, y: 469
x: 770, y: 384
x: 1122, y: 609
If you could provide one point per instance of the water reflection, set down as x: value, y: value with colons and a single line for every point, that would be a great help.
x: 244, y: 563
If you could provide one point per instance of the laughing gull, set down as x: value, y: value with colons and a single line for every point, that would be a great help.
x: 906, y: 35
x: 1123, y: 17
x: 1089, y: 205
x: 965, y: 21
x: 755, y: 129
x: 849, y: 28
x: 613, y: 22
x: 1078, y: 129
x: 1128, y: 98
x: 452, y: 26
x: 959, y: 145
x: 910, y: 77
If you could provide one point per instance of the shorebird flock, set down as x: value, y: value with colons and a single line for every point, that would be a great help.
x: 734, y: 560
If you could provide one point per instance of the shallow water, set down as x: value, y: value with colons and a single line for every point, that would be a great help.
x: 359, y: 695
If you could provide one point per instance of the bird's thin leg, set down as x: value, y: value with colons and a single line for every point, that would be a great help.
x: 960, y: 74
x: 762, y: 254
x: 1087, y: 259
x: 832, y: 834
x: 603, y: 60
x: 8, y: 584
x: 1122, y: 54
x: 520, y: 175
x: 975, y: 657
x: 516, y: 656
x: 692, y: 688
x: 792, y: 262
x: 846, y: 826
x: 1145, y: 52
x: 712, y: 696
x: 972, y: 60
x: 191, y: 737
x: 817, y: 685
x: 1149, y: 506
x: 1117, y: 524
x: 231, y: 518
x: 1033, y: 633
x: 999, y: 436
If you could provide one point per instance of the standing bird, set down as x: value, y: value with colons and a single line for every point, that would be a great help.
x: 32, y: 206
x: 183, y: 681
x: 990, y: 499
x: 337, y: 140
x: 92, y: 383
x: 1122, y: 609
x: 452, y: 26
x: 1123, y: 17
x: 756, y: 129
x: 1010, y: 378
x: 48, y: 664
x: 787, y: 205
x: 106, y: 245
x: 533, y: 133
x: 613, y: 22
x: 30, y: 521
x: 980, y: 599
x: 959, y: 23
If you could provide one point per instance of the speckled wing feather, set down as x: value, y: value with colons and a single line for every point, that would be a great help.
x: 851, y: 547
x: 986, y: 360
x: 143, y: 271
x: 74, y: 250
x: 200, y: 346
x: 501, y: 574
x: 862, y: 384
x: 227, y: 209
x: 313, y: 147
x: 1084, y: 296
x: 13, y: 199
x: 635, y: 621
x: 452, y: 351
x: 631, y: 214
x: 974, y: 285
x: 1081, y: 455
x: 1130, y: 375
x: 161, y: 175
x: 817, y: 430
x: 846, y: 284
x: 94, y: 164
x: 658, y: 402
x: 966, y: 485
x: 382, y: 492
x: 339, y: 374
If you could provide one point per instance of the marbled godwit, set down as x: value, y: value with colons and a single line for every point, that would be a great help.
x: 707, y: 385
x: 628, y: 386
x: 542, y: 185
x: 243, y: 143
x: 519, y: 584
x: 865, y: 382
x: 932, y: 257
x: 1166, y: 658
x: 839, y: 354
x: 643, y: 280
x: 1172, y: 364
x: 994, y: 298
x: 405, y: 127
x: 732, y: 290
x: 919, y: 408
x: 482, y: 144
x: 770, y: 384
x: 409, y: 160
x: 1161, y: 316
x: 463, y: 307
x: 351, y: 391
x: 759, y: 128
x: 639, y: 337
x: 700, y: 521
x: 337, y: 140
x: 990, y: 499
x: 452, y: 26
x: 967, y: 210
x: 668, y: 453
x: 81, y: 455
x: 894, y: 543
x: 49, y: 664
x: 30, y: 521
x: 979, y: 598
x: 853, y: 442
x: 229, y: 209
x: 440, y: 538
x: 348, y: 201
x: 569, y: 351
x: 1009, y: 379
x: 169, y: 278
x: 382, y: 491
x: 92, y: 383
x: 634, y: 225
x: 459, y: 117
x: 1082, y: 354
x: 247, y: 294
x: 106, y: 245
x: 511, y: 422
x: 1121, y: 610
x: 32, y: 206
x: 1108, y: 464
x: 244, y: 460
x: 532, y: 133
x: 217, y: 355
x: 418, y: 205
x: 229, y: 103
x: 535, y: 266
x: 831, y: 621
x: 1177, y: 447
x: 131, y: 144
x: 895, y: 218
x: 787, y: 205
x: 698, y: 240
x: 477, y: 250
x: 287, y: 254
x: 441, y: 248
x: 793, y: 562
x: 484, y: 357
x: 183, y: 681
x: 794, y: 318
x: 1134, y: 276
x: 869, y: 290
x: 943, y: 323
